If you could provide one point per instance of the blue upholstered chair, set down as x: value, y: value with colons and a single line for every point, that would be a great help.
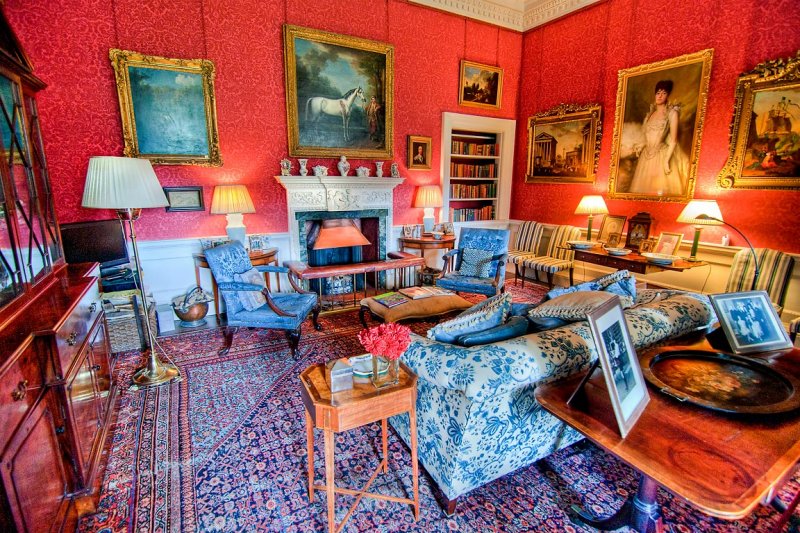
x: 478, y: 265
x: 249, y: 303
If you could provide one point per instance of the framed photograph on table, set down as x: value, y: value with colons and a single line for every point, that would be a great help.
x: 668, y: 243
x: 659, y: 119
x: 611, y: 225
x: 624, y: 380
x: 750, y: 322
x: 480, y: 85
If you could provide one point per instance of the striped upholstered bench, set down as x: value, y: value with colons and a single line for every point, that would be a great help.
x: 526, y: 244
x: 558, y: 256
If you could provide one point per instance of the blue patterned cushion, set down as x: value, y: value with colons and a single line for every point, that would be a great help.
x: 251, y: 300
x: 620, y: 282
x: 487, y: 314
x: 514, y: 327
x: 475, y: 262
x: 585, y: 286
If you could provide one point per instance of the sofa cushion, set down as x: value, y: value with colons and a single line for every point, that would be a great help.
x: 580, y: 287
x: 620, y: 282
x: 482, y: 316
x: 543, y: 323
x: 514, y: 327
x: 572, y: 307
x: 251, y: 300
x: 475, y: 262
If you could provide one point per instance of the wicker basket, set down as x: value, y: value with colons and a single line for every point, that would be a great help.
x: 122, y: 332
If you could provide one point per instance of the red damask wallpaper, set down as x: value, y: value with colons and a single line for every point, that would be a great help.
x: 68, y: 42
x: 576, y: 60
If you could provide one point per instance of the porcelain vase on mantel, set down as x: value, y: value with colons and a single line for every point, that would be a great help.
x: 303, y: 168
x: 385, y: 372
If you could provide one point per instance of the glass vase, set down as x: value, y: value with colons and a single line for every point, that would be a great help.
x: 385, y: 372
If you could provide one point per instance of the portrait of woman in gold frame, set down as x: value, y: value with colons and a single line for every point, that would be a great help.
x: 765, y: 133
x: 658, y: 125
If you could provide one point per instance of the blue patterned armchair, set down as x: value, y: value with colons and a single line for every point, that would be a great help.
x: 485, y: 252
x: 250, y: 303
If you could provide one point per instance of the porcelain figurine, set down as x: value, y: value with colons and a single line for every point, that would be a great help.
x: 286, y: 167
x: 379, y: 168
x: 320, y: 171
x: 395, y: 170
x: 362, y: 172
x: 343, y: 166
x: 303, y: 169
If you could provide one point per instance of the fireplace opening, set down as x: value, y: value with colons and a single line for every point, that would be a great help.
x: 341, y: 241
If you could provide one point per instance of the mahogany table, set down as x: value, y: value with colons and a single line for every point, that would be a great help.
x: 633, y: 262
x: 447, y: 242
x: 722, y: 464
x: 344, y: 410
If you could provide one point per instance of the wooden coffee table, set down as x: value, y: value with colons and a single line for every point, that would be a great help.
x: 723, y: 465
x: 341, y: 411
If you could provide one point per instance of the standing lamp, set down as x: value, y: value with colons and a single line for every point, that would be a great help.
x: 129, y: 185
x: 592, y: 204
x: 700, y: 213
x: 428, y: 197
x: 233, y: 201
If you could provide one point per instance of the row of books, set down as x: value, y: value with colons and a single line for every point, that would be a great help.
x: 393, y: 299
x: 469, y: 214
x: 463, y: 170
x: 457, y: 191
x: 465, y: 148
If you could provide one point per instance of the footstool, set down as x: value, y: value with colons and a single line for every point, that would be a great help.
x: 420, y: 308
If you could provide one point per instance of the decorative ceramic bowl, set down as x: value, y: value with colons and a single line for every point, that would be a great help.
x: 660, y: 259
x: 618, y: 251
x: 582, y: 245
x: 437, y: 235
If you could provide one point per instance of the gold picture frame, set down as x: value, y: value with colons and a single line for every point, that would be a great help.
x: 763, y: 154
x: 168, y: 108
x: 480, y: 85
x: 574, y: 127
x: 358, y: 123
x: 611, y: 225
x: 652, y: 163
x: 668, y: 243
x: 419, y: 152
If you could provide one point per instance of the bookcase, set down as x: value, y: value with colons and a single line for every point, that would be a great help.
x: 476, y: 167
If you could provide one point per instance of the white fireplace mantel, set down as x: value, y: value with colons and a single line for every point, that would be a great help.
x: 336, y: 193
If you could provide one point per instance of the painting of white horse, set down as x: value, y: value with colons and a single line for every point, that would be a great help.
x: 339, y: 94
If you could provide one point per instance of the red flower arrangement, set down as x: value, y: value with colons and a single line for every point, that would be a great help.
x: 387, y: 340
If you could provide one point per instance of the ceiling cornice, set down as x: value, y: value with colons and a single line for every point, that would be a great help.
x: 519, y: 15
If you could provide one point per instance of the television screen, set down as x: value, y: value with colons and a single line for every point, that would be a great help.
x: 98, y: 240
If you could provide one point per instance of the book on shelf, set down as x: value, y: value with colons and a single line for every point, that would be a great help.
x: 416, y: 293
x: 390, y: 299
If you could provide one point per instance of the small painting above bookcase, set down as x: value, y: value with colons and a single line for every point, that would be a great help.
x: 476, y: 167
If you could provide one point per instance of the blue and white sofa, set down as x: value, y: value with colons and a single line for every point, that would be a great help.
x: 477, y: 418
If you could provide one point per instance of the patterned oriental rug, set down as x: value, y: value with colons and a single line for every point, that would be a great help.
x: 224, y: 450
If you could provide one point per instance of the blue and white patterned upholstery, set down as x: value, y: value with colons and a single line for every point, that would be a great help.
x: 493, y: 240
x: 775, y: 270
x: 529, y: 235
x: 558, y: 256
x: 477, y: 417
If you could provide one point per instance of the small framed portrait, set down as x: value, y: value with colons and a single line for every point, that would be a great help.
x: 448, y: 228
x: 750, y: 322
x: 184, y: 198
x: 419, y: 152
x: 668, y: 243
x: 205, y: 244
x: 647, y: 245
x: 408, y: 230
x: 623, y: 376
x: 613, y: 240
x: 480, y: 85
x: 611, y: 225
x: 258, y: 241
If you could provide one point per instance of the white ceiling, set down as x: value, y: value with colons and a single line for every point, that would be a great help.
x: 520, y: 15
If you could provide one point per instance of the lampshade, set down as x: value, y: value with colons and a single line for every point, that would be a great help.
x: 338, y: 233
x: 231, y: 199
x: 428, y: 196
x: 592, y: 204
x: 696, y: 208
x: 122, y: 183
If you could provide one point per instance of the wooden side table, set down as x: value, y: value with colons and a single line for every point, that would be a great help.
x: 363, y: 404
x: 447, y: 242
x: 257, y: 258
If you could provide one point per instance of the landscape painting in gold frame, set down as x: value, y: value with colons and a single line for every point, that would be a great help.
x: 564, y: 144
x: 480, y: 85
x: 658, y: 125
x: 765, y: 133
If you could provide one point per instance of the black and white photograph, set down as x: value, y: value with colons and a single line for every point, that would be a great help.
x: 749, y: 322
x: 620, y: 360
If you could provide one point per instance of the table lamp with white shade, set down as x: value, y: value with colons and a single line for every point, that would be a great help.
x: 591, y: 204
x: 700, y: 213
x: 428, y: 197
x: 129, y: 185
x: 233, y: 201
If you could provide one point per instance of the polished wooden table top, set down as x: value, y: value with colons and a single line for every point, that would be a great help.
x: 724, y: 465
x: 599, y: 255
x: 447, y: 242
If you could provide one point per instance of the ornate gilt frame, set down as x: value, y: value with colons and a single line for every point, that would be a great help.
x: 489, y: 68
x: 290, y: 33
x: 773, y: 75
x: 704, y: 57
x: 121, y: 60
x: 564, y: 113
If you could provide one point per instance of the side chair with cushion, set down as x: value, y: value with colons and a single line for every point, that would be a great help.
x: 478, y: 264
x: 526, y: 243
x: 558, y: 257
x: 250, y: 303
x: 775, y: 271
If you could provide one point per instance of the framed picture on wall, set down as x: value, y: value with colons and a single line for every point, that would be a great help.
x: 339, y: 97
x: 564, y: 144
x: 419, y: 152
x: 657, y: 129
x: 168, y: 108
x: 764, y: 152
x: 480, y: 85
x: 184, y: 198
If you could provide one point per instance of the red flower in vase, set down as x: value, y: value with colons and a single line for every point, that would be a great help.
x: 387, y: 340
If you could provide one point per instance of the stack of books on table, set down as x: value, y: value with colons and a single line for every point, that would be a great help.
x: 415, y: 293
x: 390, y: 299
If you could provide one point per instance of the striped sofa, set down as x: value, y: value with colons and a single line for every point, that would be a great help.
x: 775, y: 271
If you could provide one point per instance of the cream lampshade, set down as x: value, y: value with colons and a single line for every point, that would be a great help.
x: 700, y: 213
x: 428, y: 197
x: 233, y: 201
x: 591, y: 204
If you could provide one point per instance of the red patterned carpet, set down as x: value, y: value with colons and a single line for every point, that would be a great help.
x: 224, y: 450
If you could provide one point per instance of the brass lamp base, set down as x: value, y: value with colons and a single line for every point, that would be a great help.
x: 157, y: 375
